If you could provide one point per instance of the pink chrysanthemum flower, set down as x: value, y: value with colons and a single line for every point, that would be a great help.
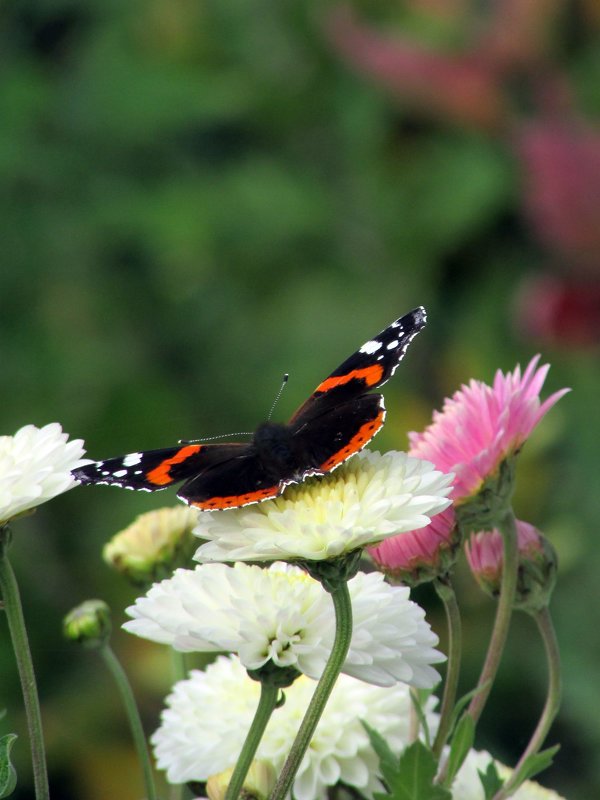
x: 537, y: 564
x: 481, y: 425
x: 420, y: 555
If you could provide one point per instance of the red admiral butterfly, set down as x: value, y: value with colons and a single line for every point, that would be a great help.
x: 336, y: 421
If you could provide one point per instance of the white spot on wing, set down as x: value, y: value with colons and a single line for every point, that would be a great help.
x: 372, y: 346
x: 120, y: 473
x: 132, y: 459
x: 393, y: 344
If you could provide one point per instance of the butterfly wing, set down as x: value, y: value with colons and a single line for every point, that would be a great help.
x: 153, y: 470
x: 371, y: 366
x: 237, y: 482
x: 339, y: 433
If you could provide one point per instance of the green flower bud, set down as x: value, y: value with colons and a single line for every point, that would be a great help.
x: 154, y: 545
x: 88, y: 624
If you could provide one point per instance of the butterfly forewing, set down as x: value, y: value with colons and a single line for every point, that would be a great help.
x: 369, y: 367
x: 152, y: 470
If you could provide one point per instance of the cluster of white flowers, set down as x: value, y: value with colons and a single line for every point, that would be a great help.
x: 280, y: 615
x: 204, y: 725
x: 283, y: 616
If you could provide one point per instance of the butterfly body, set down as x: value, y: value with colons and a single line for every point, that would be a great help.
x: 339, y: 418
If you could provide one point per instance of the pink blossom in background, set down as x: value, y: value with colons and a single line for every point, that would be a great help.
x: 560, y: 310
x: 414, y: 551
x: 561, y: 165
x: 516, y: 33
x: 481, y: 425
x: 459, y: 86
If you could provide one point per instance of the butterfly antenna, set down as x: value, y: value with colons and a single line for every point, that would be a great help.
x: 238, y: 433
x: 212, y: 438
x: 281, y: 388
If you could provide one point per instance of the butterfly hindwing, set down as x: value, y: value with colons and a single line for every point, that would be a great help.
x: 237, y: 482
x: 340, y: 432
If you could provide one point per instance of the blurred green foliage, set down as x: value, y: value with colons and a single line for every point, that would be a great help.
x: 197, y: 197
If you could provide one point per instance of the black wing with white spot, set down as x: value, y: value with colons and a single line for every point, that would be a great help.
x: 371, y: 366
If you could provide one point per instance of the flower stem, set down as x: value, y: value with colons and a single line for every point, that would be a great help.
x: 266, y: 705
x: 178, y: 673
x: 343, y: 635
x: 447, y: 595
x: 178, y: 665
x: 544, y: 622
x: 508, y: 529
x: 9, y: 590
x: 133, y: 715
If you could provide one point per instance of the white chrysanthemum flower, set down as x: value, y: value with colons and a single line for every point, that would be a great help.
x: 467, y: 784
x: 208, y: 715
x: 282, y: 615
x: 370, y: 497
x: 35, y: 466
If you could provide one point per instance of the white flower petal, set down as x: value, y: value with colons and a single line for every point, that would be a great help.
x: 35, y: 466
x: 283, y: 615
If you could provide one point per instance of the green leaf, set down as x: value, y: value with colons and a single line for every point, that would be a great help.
x: 462, y: 742
x: 490, y: 780
x: 537, y: 763
x: 8, y: 774
x: 388, y: 761
x: 413, y: 776
x: 462, y: 703
x: 418, y: 699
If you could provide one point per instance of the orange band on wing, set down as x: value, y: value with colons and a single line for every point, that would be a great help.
x: 160, y: 475
x: 365, y: 433
x: 236, y: 500
x: 370, y: 375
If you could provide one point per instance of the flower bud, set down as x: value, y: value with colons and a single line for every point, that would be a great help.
x: 257, y: 785
x: 537, y: 565
x: 88, y: 624
x: 154, y: 545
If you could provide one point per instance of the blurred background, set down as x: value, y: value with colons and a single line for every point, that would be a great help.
x: 198, y: 196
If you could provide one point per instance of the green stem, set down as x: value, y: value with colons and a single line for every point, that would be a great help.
x: 266, y: 705
x: 178, y: 665
x: 544, y: 622
x: 448, y: 597
x: 178, y: 673
x: 508, y: 529
x: 133, y: 715
x: 9, y: 590
x: 343, y: 635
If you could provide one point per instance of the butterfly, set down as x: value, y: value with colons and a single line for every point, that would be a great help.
x: 338, y: 419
